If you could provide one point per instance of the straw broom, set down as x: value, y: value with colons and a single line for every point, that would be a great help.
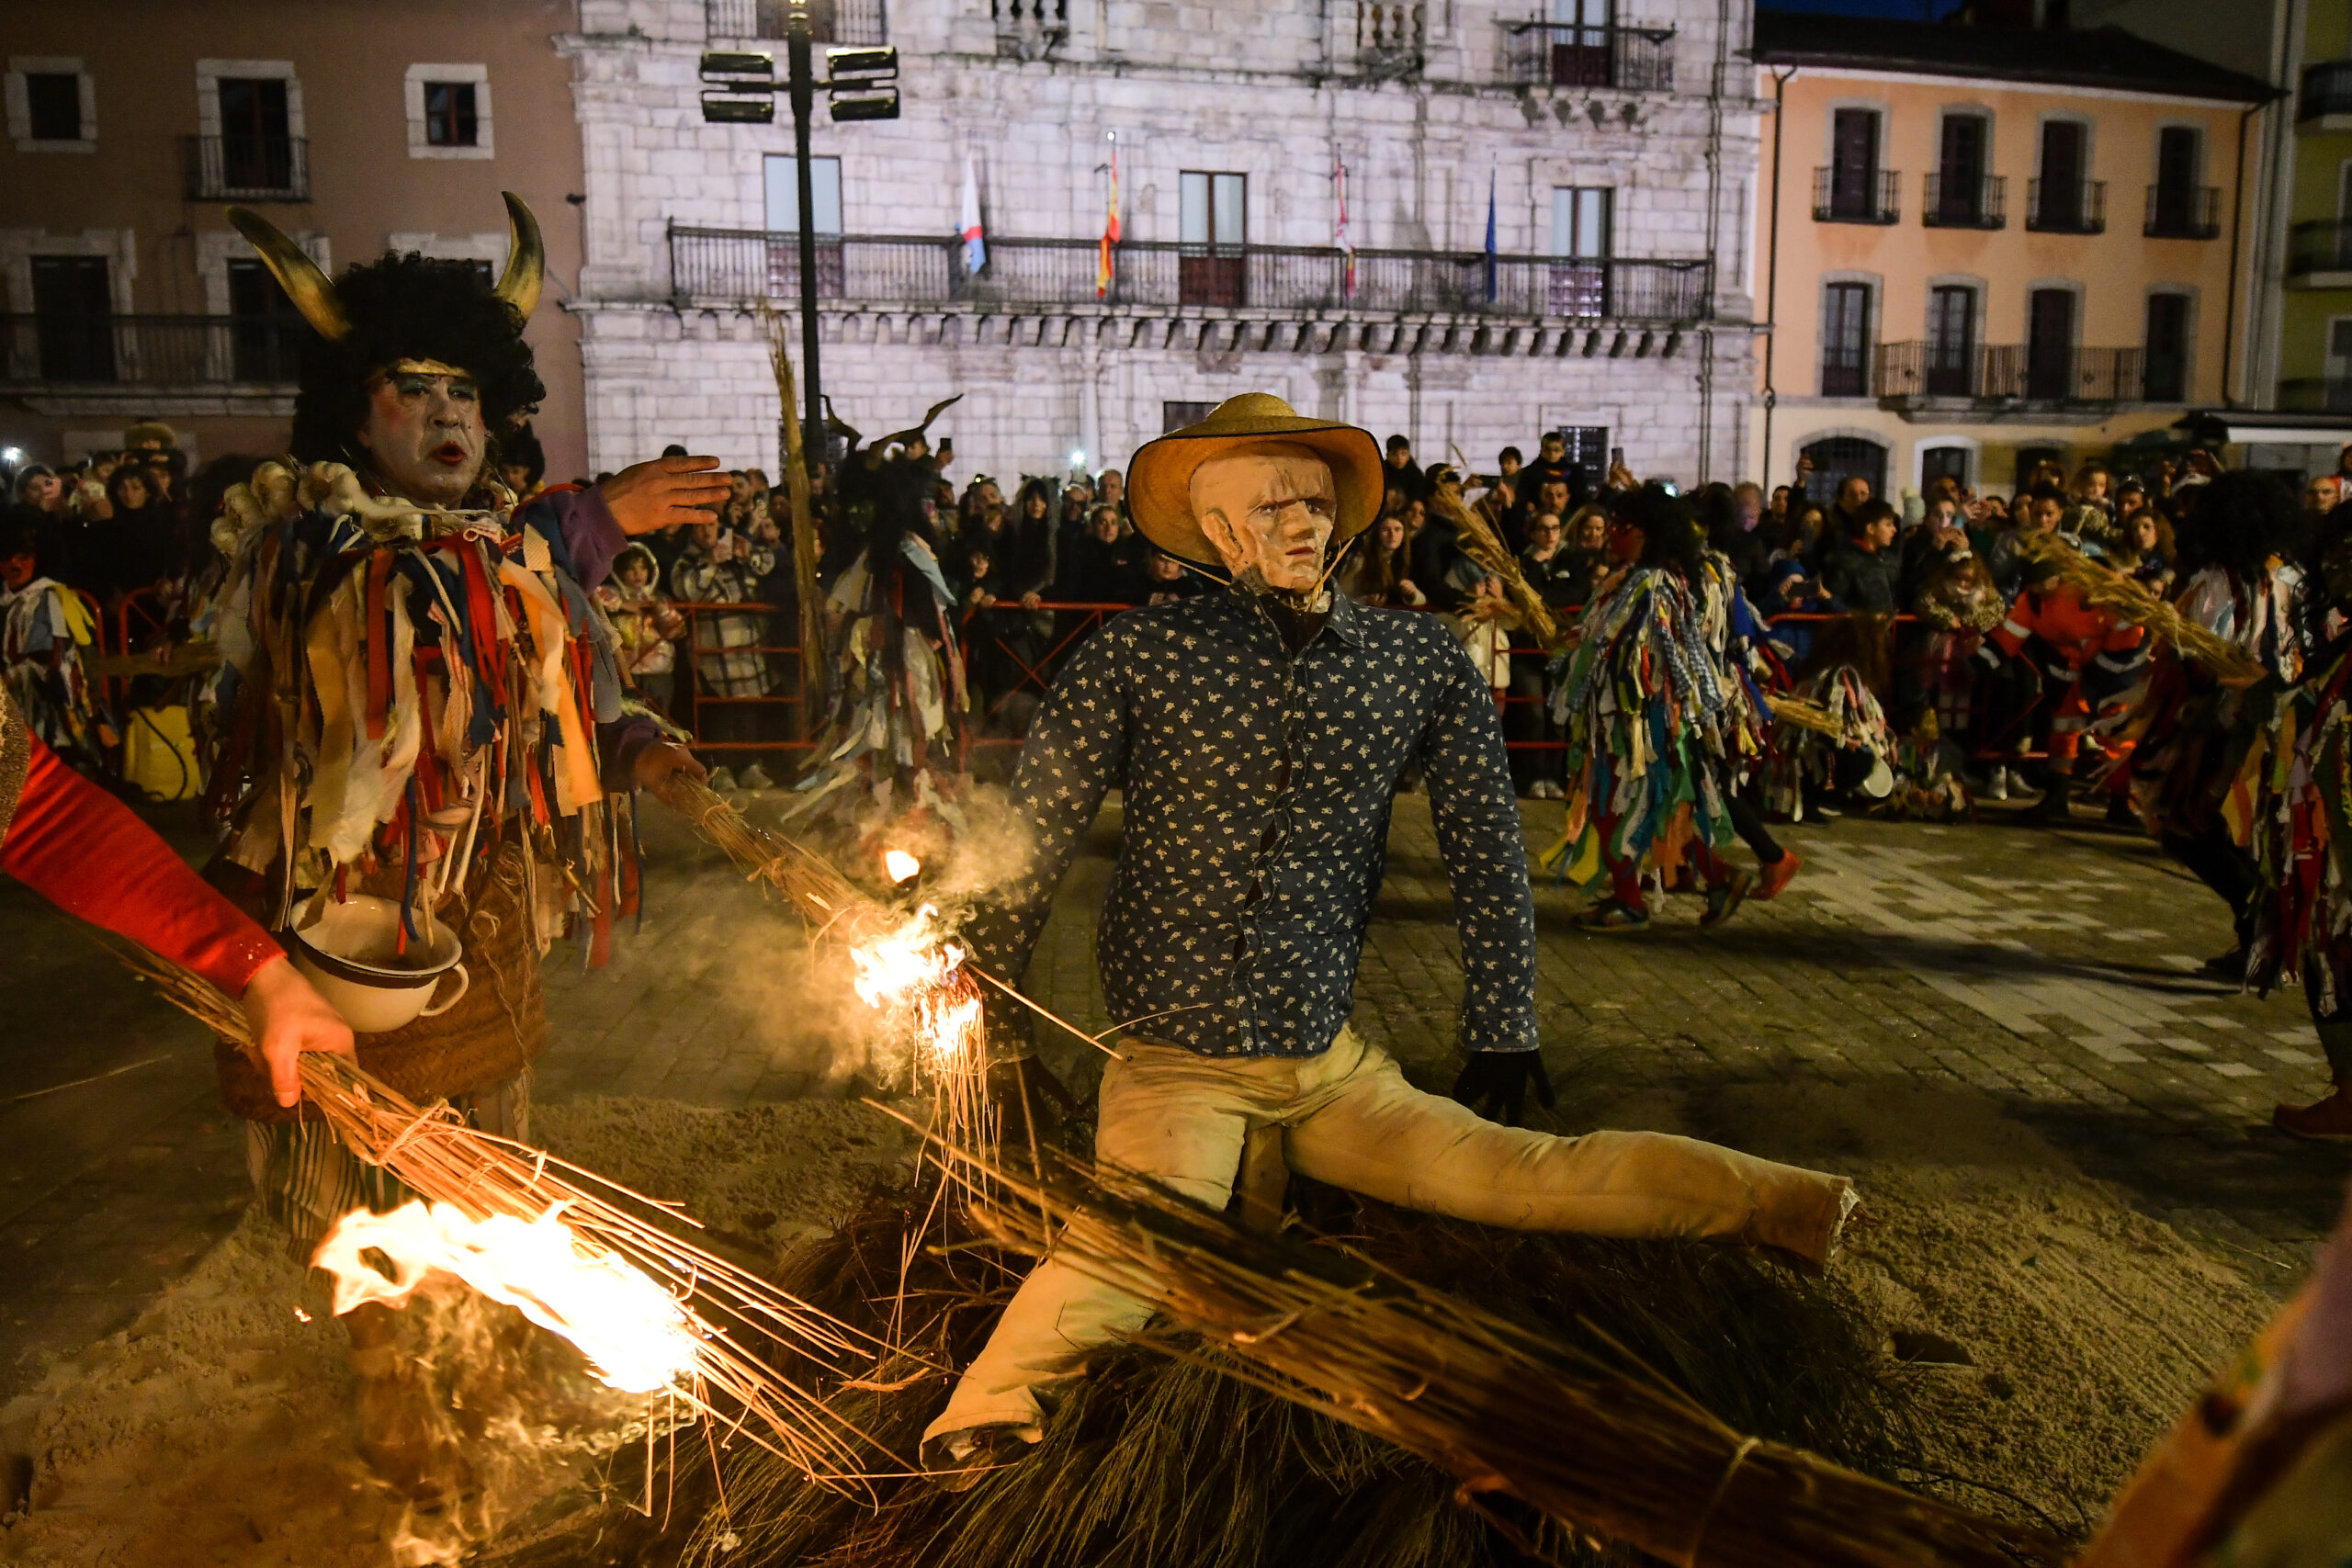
x: 804, y: 525
x: 1799, y: 714
x: 433, y: 1151
x: 1479, y: 541
x: 2103, y: 588
x: 814, y: 886
x: 1603, y: 1450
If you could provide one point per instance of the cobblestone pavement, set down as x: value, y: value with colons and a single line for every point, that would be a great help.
x: 2051, y: 971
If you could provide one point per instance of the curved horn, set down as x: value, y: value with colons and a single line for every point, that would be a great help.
x: 527, y: 258
x: 311, y: 290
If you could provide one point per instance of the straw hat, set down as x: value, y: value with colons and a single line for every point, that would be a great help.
x: 1159, y: 480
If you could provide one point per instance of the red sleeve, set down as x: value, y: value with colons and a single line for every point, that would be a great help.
x: 84, y: 851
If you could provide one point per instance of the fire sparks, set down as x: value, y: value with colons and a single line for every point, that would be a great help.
x: 635, y: 1334
x: 919, y: 968
x: 902, y: 866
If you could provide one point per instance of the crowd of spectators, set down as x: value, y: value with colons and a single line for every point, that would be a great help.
x: 707, y: 618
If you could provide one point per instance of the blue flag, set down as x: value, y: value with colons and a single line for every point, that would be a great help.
x: 1490, y: 237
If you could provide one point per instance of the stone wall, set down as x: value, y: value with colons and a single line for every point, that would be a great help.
x: 1426, y: 121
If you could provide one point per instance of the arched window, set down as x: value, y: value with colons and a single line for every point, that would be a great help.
x: 1837, y: 459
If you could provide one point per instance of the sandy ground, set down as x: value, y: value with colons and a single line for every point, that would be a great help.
x: 2049, y: 1332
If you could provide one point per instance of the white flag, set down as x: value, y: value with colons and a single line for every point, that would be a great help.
x: 976, y: 249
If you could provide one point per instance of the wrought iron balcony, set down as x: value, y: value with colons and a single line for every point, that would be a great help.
x: 2319, y: 246
x: 245, y: 168
x: 2184, y: 212
x: 1562, y: 54
x: 2067, y: 207
x: 912, y: 271
x: 54, y: 351
x: 1981, y: 202
x: 830, y: 21
x: 1855, y: 196
x: 2011, y: 373
x: 2327, y: 90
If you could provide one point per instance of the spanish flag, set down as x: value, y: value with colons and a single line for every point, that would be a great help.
x: 1104, y: 270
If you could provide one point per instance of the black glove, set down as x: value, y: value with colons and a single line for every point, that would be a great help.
x: 1027, y: 1094
x: 1494, y: 1084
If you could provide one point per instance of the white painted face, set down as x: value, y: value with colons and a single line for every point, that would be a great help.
x: 424, y: 434
x: 1271, y: 506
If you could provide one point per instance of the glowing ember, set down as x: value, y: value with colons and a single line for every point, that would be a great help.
x: 635, y: 1334
x: 902, y: 865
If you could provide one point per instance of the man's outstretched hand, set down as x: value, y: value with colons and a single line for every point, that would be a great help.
x: 1495, y: 1083
x: 662, y: 761
x: 644, y: 497
x: 288, y: 1017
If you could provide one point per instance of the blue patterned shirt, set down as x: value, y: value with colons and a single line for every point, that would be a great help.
x: 1256, y: 789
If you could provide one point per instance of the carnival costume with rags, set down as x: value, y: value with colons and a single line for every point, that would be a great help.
x: 45, y: 630
x: 2295, y: 785
x: 1661, y: 709
x: 418, y: 702
x: 1257, y: 735
x: 2194, y: 773
x: 898, y: 694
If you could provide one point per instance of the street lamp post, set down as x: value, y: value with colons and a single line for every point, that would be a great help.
x: 803, y: 85
x: 859, y: 85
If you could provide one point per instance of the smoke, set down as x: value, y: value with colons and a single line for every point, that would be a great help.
x: 479, y: 1416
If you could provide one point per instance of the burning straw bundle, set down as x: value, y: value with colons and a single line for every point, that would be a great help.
x: 2102, y: 588
x: 1606, y: 1450
x: 814, y: 886
x: 722, y: 1309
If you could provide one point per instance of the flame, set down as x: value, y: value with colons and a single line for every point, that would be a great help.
x: 902, y: 866
x: 635, y: 1337
x: 913, y: 959
x: 916, y: 967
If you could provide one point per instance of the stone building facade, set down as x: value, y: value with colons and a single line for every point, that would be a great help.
x: 1612, y: 299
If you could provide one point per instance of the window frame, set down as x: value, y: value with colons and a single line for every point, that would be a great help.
x: 18, y: 94
x: 474, y: 75
x: 1831, y: 289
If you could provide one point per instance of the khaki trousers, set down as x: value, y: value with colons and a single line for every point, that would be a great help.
x: 1349, y: 1118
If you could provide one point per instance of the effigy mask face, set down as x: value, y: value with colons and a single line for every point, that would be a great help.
x: 424, y: 436
x: 1270, y: 509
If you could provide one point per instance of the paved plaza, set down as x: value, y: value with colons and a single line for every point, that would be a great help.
x: 2055, y: 972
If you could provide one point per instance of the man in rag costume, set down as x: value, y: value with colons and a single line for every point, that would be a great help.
x: 1258, y: 734
x: 419, y: 702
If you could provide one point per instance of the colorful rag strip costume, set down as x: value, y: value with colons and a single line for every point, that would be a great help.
x: 411, y: 702
x: 1662, y: 713
x: 44, y: 630
x: 2294, y: 790
x: 2193, y: 773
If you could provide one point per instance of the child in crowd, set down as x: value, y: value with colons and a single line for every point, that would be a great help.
x: 644, y: 624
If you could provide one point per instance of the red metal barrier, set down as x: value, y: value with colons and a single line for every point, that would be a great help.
x: 693, y: 707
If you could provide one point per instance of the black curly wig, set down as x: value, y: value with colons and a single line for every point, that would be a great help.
x: 1670, y: 525
x: 412, y: 307
x: 2243, y: 518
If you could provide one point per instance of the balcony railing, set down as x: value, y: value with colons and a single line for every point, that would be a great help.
x: 245, y: 168
x: 2321, y: 245
x: 2330, y: 394
x: 2184, y: 212
x: 830, y: 21
x: 1561, y: 54
x: 2327, y: 90
x: 1981, y: 202
x: 1850, y: 195
x: 2067, y: 207
x: 909, y: 270
x: 149, y: 351
x: 2011, y: 373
